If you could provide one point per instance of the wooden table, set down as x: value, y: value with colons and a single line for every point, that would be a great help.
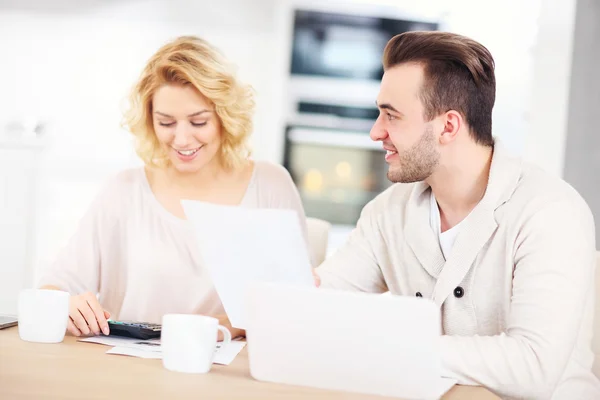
x: 77, y: 370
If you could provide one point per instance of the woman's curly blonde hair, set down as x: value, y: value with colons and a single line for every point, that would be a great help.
x: 189, y: 60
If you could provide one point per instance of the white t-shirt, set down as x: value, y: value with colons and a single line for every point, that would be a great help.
x: 446, y: 238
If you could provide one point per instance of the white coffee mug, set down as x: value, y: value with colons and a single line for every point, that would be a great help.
x: 43, y: 315
x: 189, y: 342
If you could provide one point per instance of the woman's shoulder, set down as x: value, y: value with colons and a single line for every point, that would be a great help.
x: 274, y: 185
x: 114, y: 197
x: 270, y: 173
x: 120, y: 185
x: 272, y: 180
x: 124, y: 180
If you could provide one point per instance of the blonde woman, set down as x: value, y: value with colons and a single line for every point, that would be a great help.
x: 134, y: 256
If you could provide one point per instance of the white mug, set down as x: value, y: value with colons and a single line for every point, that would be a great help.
x: 189, y: 342
x: 43, y: 315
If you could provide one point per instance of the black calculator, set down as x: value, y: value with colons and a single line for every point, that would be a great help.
x: 137, y: 330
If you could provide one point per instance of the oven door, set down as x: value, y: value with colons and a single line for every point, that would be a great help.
x: 337, y: 172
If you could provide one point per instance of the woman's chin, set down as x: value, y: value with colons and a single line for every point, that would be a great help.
x: 191, y: 165
x: 187, y: 167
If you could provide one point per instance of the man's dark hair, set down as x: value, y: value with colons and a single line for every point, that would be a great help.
x: 458, y: 75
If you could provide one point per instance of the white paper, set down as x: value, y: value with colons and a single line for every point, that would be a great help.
x: 151, y: 348
x: 124, y: 341
x: 128, y: 351
x: 442, y: 386
x: 241, y: 245
x: 226, y: 354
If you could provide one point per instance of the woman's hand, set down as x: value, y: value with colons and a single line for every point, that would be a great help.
x: 86, y: 315
x: 223, y: 320
x: 316, y: 277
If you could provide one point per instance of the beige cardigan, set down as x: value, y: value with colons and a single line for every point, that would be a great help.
x: 516, y: 293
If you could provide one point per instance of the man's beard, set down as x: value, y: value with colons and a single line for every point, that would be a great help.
x: 417, y: 163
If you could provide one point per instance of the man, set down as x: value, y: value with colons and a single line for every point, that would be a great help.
x: 505, y: 250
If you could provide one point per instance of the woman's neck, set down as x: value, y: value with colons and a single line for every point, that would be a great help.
x: 191, y: 183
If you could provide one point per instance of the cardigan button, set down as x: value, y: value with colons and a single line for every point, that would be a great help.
x: 418, y: 294
x: 459, y: 292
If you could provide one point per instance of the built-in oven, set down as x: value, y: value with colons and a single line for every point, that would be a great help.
x: 335, y: 72
x: 344, y: 45
x: 337, y: 172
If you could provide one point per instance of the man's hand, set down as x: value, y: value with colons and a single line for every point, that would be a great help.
x: 223, y: 320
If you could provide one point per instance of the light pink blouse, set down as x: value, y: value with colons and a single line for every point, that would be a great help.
x: 141, y: 259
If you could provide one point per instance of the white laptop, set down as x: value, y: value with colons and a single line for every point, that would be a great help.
x: 353, y: 342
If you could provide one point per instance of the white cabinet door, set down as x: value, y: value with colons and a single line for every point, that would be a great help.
x: 17, y: 213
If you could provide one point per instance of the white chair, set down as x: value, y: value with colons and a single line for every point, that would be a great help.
x: 318, y: 239
x: 596, y: 339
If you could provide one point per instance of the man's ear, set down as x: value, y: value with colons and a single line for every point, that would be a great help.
x: 452, y: 122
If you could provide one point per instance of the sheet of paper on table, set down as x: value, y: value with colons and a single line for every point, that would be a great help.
x: 151, y: 348
x: 241, y: 245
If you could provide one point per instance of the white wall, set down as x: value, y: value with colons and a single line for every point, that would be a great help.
x: 18, y: 172
x: 582, y: 148
x: 72, y: 63
x: 547, y: 129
